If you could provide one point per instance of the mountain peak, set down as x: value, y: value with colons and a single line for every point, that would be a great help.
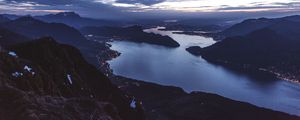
x: 26, y: 18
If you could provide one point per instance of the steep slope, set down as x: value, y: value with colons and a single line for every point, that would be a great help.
x: 251, y: 25
x: 288, y: 29
x: 9, y: 38
x: 263, y: 48
x: 132, y: 33
x: 46, y: 80
x: 248, y: 26
x: 268, y: 44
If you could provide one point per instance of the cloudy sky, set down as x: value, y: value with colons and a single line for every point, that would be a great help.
x: 98, y: 8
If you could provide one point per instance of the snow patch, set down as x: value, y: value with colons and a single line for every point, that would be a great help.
x: 11, y: 53
x: 132, y: 104
x: 69, y: 79
x: 27, y: 68
x: 17, y: 74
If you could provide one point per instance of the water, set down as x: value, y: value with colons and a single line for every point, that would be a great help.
x: 176, y: 67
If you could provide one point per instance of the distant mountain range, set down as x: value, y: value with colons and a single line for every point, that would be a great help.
x: 69, y: 18
x: 33, y: 28
x: 132, y: 33
x: 3, y: 19
x: 251, y: 25
x: 28, y: 28
x: 268, y: 44
x: 75, y: 20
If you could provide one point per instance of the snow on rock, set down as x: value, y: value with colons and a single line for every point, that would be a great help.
x: 11, y: 53
x: 133, y: 104
x: 17, y: 74
x: 69, y: 78
x: 27, y: 68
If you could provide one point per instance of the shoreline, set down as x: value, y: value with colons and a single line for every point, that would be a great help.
x: 196, y: 51
x: 127, y: 83
x: 278, y: 75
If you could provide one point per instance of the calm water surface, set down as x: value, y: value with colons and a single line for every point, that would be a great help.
x: 176, y: 67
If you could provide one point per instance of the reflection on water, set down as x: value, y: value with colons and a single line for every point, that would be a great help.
x: 175, y: 66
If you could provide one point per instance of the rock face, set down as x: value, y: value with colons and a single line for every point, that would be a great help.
x: 50, y: 81
x: 172, y: 103
x: 133, y: 33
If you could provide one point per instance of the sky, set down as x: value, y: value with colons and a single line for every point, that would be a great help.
x: 123, y: 8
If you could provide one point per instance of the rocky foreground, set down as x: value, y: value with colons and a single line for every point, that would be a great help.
x: 45, y: 80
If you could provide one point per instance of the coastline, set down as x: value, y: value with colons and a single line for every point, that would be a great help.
x: 279, y: 75
x: 135, y: 88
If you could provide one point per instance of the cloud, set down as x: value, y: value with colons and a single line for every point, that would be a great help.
x: 144, y: 2
x: 260, y: 6
x: 38, y: 7
x: 45, y: 2
x: 129, y: 8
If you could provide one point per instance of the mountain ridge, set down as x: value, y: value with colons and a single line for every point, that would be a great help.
x: 43, y: 79
x: 133, y: 33
x: 75, y: 20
